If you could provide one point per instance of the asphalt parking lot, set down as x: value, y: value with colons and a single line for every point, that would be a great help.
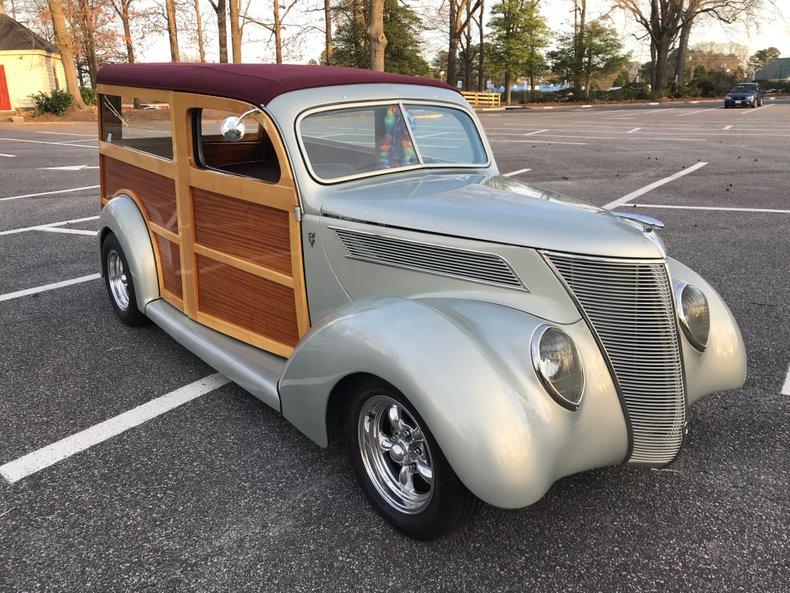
x: 221, y: 494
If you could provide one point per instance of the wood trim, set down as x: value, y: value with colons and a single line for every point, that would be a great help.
x: 244, y: 265
x: 297, y: 273
x: 164, y: 233
x: 136, y: 93
x: 245, y: 335
x: 172, y: 299
x: 143, y: 160
x: 277, y: 196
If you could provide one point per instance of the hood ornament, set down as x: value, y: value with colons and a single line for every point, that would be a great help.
x: 648, y: 222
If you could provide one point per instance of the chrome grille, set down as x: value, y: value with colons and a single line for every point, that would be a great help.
x: 629, y: 305
x: 437, y: 259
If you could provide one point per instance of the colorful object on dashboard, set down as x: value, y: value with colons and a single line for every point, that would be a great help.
x: 395, y: 148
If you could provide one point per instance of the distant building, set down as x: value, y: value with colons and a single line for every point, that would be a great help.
x: 778, y: 69
x: 29, y: 64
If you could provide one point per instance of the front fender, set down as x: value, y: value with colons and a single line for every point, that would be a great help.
x: 723, y: 363
x: 123, y: 218
x: 466, y: 368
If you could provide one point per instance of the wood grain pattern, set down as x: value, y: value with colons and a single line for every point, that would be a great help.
x: 245, y: 300
x: 170, y: 260
x: 249, y: 231
x: 156, y: 193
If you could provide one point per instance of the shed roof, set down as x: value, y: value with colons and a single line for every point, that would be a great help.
x: 254, y: 83
x: 15, y: 36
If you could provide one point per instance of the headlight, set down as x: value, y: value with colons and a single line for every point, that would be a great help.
x: 750, y: 98
x: 694, y: 314
x: 557, y: 363
x: 728, y: 97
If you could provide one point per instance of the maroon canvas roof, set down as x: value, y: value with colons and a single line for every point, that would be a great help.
x: 254, y: 83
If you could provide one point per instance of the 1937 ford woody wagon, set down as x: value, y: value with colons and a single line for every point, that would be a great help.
x: 342, y: 246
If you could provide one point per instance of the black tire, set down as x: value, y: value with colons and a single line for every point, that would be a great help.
x: 128, y: 314
x: 450, y: 506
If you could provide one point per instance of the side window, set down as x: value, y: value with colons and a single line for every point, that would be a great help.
x: 147, y: 128
x: 252, y: 156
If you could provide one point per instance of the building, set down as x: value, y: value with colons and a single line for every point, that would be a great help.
x: 778, y: 69
x: 29, y: 64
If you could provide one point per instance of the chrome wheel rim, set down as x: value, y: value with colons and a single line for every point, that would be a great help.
x: 395, y: 454
x: 116, y: 277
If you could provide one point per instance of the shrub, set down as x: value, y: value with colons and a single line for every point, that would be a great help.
x: 88, y: 95
x: 56, y: 102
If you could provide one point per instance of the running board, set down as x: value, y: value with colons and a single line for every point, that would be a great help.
x: 253, y: 369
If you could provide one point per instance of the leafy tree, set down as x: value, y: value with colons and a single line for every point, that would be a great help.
x: 401, y: 28
x: 601, y: 57
x: 762, y: 58
x: 518, y: 36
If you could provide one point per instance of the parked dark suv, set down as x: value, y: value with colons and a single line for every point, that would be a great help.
x: 745, y: 94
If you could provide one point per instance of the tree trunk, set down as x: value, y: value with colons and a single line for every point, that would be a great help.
x: 235, y: 31
x: 683, y: 46
x: 481, y: 56
x: 127, y: 37
x: 580, y: 16
x: 222, y: 30
x: 278, y: 33
x: 172, y: 29
x: 376, y: 38
x: 532, y: 86
x: 328, y: 32
x: 661, y: 67
x: 86, y: 15
x: 199, y: 29
x: 64, y: 43
x: 507, y: 88
x: 452, y: 50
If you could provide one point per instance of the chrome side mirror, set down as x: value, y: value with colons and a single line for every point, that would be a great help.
x: 232, y: 128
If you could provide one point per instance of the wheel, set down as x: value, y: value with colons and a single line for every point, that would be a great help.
x: 754, y: 104
x: 118, y: 281
x: 401, y: 467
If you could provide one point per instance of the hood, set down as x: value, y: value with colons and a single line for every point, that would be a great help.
x: 492, y: 208
x: 742, y: 94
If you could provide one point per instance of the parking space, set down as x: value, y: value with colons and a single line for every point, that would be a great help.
x: 219, y: 493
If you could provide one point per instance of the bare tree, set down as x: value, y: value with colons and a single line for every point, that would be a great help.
x: 328, y: 32
x: 172, y: 29
x: 88, y: 27
x: 65, y: 45
x: 220, y: 8
x: 481, y: 66
x: 459, y: 19
x: 235, y: 30
x: 201, y: 42
x: 275, y: 27
x: 377, y: 38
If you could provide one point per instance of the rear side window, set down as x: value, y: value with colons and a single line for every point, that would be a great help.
x: 252, y: 156
x: 142, y: 125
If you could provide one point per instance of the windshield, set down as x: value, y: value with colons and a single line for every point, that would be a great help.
x: 744, y: 88
x: 353, y: 141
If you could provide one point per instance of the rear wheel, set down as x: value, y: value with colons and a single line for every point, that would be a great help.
x: 400, y: 466
x: 119, y: 284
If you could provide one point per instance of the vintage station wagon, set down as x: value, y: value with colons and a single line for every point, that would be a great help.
x: 340, y: 243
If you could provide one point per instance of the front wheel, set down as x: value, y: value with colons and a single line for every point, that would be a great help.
x: 119, y: 284
x: 400, y: 466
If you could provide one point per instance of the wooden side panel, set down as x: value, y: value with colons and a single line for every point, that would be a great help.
x: 249, y: 231
x: 170, y: 260
x: 247, y: 301
x: 156, y: 193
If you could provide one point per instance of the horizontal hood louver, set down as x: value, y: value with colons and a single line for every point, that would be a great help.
x: 487, y: 268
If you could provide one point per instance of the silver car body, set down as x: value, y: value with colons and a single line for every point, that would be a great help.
x: 455, y: 339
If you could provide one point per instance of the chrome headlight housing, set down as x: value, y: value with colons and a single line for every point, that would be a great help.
x: 694, y: 314
x: 557, y: 364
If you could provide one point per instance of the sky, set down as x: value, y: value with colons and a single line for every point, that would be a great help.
x: 307, y: 24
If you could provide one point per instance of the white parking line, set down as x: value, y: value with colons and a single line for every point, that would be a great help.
x: 67, y: 134
x: 541, y: 142
x: 47, y: 287
x: 729, y: 127
x: 786, y: 386
x: 535, y: 132
x: 719, y: 208
x: 49, y: 193
x: 516, y: 172
x: 698, y: 111
x: 643, y: 190
x: 748, y: 111
x: 10, y: 156
x: 632, y: 131
x: 46, y: 142
x: 54, y: 229
x: 33, y: 462
x: 39, y: 227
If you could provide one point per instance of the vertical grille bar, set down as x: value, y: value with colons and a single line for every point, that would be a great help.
x: 629, y: 304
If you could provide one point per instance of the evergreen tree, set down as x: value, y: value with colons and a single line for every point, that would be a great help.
x: 401, y: 27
